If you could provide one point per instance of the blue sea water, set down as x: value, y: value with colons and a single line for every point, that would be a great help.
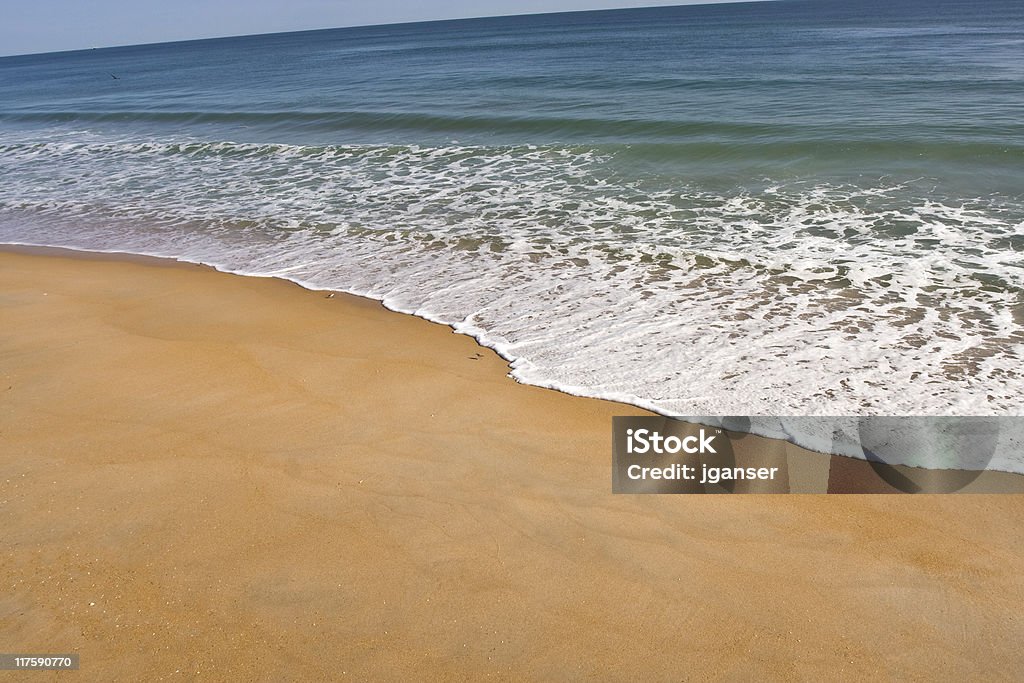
x: 803, y: 207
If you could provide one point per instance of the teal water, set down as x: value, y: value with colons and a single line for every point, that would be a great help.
x: 794, y: 207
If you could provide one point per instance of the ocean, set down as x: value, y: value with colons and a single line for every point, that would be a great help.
x: 802, y: 207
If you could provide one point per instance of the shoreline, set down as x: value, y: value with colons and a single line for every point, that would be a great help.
x: 1000, y: 481
x: 263, y: 481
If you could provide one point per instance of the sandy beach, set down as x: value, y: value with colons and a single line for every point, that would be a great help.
x: 211, y: 477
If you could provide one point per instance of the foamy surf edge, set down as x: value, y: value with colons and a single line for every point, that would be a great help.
x: 829, y: 435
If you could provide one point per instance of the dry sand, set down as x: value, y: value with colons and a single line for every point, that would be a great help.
x: 205, y: 476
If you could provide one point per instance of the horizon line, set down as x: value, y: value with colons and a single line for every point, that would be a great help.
x: 704, y: 3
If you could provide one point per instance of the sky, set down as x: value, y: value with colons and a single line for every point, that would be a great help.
x: 30, y: 26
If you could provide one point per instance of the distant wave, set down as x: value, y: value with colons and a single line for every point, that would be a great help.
x: 671, y: 136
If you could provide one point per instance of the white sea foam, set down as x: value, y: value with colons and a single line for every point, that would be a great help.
x: 796, y: 299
